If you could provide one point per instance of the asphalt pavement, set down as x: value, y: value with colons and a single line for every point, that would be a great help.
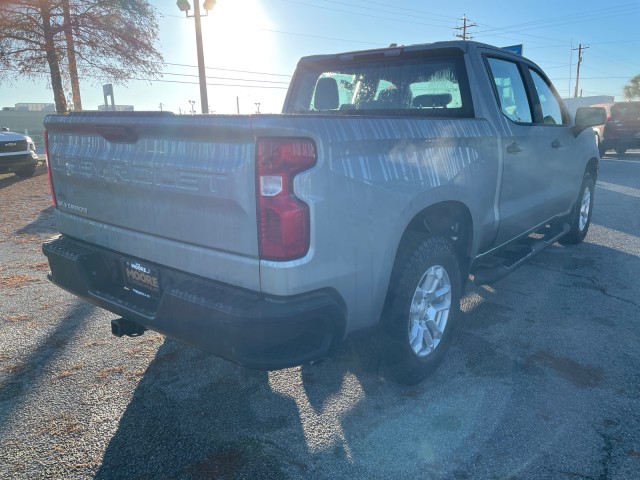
x: 542, y: 380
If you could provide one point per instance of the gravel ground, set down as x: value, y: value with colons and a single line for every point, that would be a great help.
x: 542, y: 380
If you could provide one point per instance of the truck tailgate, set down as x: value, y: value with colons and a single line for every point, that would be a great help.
x: 176, y: 190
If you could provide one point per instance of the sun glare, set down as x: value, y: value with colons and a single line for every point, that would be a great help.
x: 234, y: 37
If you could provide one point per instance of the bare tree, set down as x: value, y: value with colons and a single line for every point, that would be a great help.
x: 104, y: 40
x: 71, y: 55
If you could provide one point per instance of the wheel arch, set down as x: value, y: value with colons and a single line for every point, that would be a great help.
x: 449, y: 219
x: 593, y: 168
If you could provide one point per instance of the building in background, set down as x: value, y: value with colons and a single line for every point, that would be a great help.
x: 115, y: 108
x: 35, y: 107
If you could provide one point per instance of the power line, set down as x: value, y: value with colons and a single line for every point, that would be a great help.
x: 448, y: 17
x: 152, y: 80
x: 225, y: 78
x: 228, y: 70
x: 369, y: 8
x: 595, y: 78
x: 611, y: 59
x: 321, y: 37
x: 585, y: 16
x: 360, y: 14
x: 581, y: 16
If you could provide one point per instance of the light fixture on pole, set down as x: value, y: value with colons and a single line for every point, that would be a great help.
x: 185, y: 6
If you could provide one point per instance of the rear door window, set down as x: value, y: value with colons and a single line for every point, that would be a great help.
x: 510, y: 89
x: 549, y: 103
x: 626, y: 111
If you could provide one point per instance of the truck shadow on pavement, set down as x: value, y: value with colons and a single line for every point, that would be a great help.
x: 27, y: 374
x: 44, y: 223
x: 196, y: 416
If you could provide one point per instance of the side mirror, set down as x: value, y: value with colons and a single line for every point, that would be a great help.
x: 587, y: 117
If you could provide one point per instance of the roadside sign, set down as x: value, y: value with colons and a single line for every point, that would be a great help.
x: 514, y: 48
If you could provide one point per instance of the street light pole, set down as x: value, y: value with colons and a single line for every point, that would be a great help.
x: 204, y: 101
x: 185, y: 6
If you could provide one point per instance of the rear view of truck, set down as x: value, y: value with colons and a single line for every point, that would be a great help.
x: 164, y: 221
x: 391, y: 176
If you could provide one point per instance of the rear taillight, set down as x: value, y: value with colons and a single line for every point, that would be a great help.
x: 283, y: 219
x: 45, y: 136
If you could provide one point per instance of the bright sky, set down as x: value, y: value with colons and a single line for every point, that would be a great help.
x: 257, y: 43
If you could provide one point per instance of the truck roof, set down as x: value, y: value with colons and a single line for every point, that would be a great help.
x: 395, y: 50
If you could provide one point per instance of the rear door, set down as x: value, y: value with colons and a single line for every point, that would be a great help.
x: 565, y: 168
x: 524, y: 187
x: 536, y: 183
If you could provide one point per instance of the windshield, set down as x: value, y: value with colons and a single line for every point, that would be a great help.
x: 422, y: 86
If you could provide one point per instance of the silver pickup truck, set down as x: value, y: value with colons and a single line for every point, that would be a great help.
x: 391, y: 177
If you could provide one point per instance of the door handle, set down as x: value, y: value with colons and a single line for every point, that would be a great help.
x: 556, y: 144
x: 513, y: 147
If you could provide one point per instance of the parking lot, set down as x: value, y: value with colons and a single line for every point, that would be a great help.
x: 542, y: 380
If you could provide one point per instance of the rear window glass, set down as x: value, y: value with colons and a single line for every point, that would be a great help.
x: 418, y: 86
x: 626, y: 111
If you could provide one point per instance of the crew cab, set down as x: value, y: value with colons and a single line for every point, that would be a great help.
x: 391, y: 178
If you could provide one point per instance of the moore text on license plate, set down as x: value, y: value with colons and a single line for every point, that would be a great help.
x: 142, y: 279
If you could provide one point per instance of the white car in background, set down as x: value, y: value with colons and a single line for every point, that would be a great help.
x: 17, y: 153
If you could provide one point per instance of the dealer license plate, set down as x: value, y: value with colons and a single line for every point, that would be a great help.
x: 142, y: 279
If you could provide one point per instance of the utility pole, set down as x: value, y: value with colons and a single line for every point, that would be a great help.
x: 161, y: 105
x: 464, y: 27
x: 580, y: 49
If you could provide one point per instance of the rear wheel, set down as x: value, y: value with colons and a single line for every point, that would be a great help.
x: 580, y: 218
x: 621, y: 150
x: 422, y: 307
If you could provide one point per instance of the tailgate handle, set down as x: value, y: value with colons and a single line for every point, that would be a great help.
x: 117, y: 134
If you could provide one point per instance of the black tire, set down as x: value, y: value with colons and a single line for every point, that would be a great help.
x: 621, y: 150
x: 26, y: 172
x: 580, y: 217
x: 416, y: 259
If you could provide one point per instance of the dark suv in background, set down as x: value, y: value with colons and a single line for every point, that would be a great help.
x: 622, y: 129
